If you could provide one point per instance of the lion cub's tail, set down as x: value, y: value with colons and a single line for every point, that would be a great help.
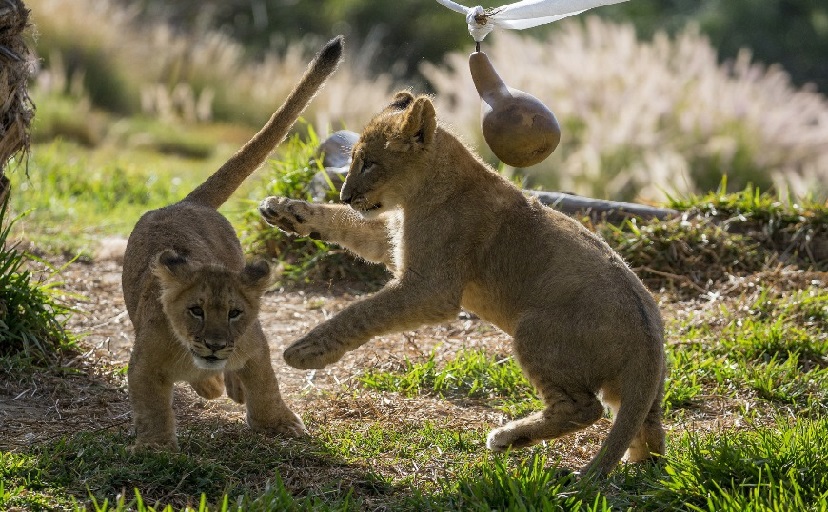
x: 222, y: 183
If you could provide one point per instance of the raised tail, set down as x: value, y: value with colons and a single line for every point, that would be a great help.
x: 222, y: 183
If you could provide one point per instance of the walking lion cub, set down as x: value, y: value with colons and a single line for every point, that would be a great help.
x: 194, y: 302
x: 457, y: 234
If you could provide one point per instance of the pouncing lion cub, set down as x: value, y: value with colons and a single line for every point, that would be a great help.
x: 194, y: 302
x: 457, y: 234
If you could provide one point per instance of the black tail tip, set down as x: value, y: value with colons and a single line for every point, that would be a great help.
x: 332, y: 51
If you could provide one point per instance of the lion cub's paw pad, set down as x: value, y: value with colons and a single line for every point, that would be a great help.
x: 286, y: 214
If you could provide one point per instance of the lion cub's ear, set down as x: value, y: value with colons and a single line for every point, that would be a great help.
x: 400, y: 101
x: 256, y: 275
x: 171, y: 267
x: 418, y: 126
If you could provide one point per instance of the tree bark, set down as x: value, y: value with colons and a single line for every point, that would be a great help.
x: 16, y: 107
x: 5, y: 187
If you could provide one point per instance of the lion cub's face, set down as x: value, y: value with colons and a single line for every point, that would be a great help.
x: 388, y: 160
x: 209, y: 307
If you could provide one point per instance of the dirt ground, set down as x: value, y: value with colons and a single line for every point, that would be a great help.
x: 92, y: 395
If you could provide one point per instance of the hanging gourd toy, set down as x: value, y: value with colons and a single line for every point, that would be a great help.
x: 519, y: 129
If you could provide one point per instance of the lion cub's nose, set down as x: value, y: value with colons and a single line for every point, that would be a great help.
x: 215, y: 345
x: 346, y: 197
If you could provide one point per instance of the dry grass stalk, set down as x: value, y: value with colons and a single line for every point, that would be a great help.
x: 641, y: 118
x: 204, y: 74
x: 16, y: 108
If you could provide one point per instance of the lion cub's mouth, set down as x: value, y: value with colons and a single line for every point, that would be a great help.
x: 211, y: 362
x: 368, y: 207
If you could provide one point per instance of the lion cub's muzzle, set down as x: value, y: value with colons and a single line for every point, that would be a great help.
x: 211, y: 353
x: 359, y: 202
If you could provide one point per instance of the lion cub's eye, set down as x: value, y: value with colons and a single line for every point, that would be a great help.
x: 366, y: 166
x: 234, y: 313
x: 197, y: 312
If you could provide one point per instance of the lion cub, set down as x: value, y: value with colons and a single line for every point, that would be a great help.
x: 194, y: 302
x: 457, y: 234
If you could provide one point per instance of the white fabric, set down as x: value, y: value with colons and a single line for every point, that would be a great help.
x: 521, y: 15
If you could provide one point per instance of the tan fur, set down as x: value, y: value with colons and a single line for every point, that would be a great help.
x: 194, y: 302
x: 457, y: 234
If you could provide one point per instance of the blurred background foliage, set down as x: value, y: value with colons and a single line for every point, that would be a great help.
x: 655, y: 97
x: 793, y: 33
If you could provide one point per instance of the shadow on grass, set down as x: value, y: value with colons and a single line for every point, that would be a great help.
x: 217, y: 458
x: 65, y: 433
x: 379, y: 464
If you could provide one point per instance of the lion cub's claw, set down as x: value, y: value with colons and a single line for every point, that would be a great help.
x: 286, y: 214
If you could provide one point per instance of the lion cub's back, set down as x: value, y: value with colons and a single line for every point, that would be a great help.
x: 198, y: 232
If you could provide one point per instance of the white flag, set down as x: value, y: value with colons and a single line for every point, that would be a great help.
x: 520, y: 15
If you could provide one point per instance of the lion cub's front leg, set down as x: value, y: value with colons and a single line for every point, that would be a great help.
x: 339, y: 224
x: 266, y: 410
x: 150, y: 394
x: 399, y: 306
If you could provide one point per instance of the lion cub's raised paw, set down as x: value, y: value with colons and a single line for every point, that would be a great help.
x: 289, y: 215
x: 505, y: 438
x: 309, y: 353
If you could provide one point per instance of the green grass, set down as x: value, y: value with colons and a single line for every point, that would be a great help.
x: 65, y: 186
x: 32, y: 319
x: 764, y: 469
x: 346, y: 468
x: 682, y: 254
x: 755, y: 343
x: 791, y: 228
x: 494, y: 380
x: 774, y: 347
x: 75, y: 196
x: 719, y: 235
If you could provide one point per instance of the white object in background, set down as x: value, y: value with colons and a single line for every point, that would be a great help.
x: 521, y: 15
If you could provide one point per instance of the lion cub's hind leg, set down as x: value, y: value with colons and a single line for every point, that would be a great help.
x: 235, y: 390
x: 566, y: 411
x: 209, y: 388
x: 649, y: 443
x: 569, y: 405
